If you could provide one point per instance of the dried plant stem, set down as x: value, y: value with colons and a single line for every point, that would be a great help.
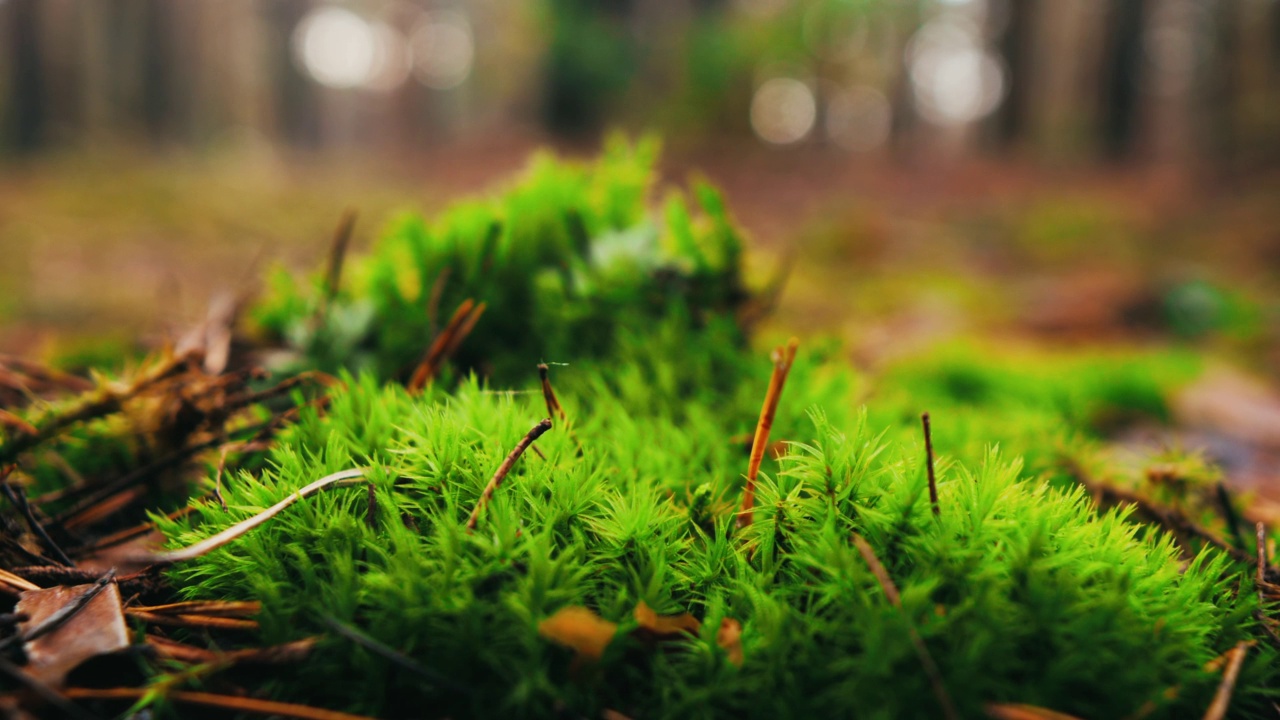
x: 782, y: 359
x: 228, y: 702
x: 1222, y: 699
x: 338, y: 253
x: 554, y: 408
x: 534, y: 433
x: 926, y: 660
x: 338, y: 479
x: 460, y: 325
x: 928, y: 459
x: 18, y: 497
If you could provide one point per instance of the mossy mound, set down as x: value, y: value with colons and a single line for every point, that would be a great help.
x: 1020, y: 591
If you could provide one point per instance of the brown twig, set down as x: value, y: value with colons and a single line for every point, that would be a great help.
x: 460, y: 325
x: 926, y: 660
x: 534, y: 433
x: 554, y: 408
x: 433, y: 299
x: 782, y: 359
x: 227, y: 702
x: 18, y: 497
x: 928, y: 459
x: 338, y: 253
x: 1222, y: 699
x: 338, y: 479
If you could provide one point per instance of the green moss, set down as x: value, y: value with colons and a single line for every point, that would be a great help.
x: 1021, y: 592
x: 562, y: 259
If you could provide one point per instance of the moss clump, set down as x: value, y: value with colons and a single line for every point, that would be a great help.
x: 1021, y: 591
x: 562, y: 259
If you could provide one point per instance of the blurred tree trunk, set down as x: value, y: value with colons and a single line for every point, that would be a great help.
x: 1122, y: 77
x: 25, y: 118
x: 1015, y: 42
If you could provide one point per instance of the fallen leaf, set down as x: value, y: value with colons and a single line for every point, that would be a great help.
x: 729, y: 638
x: 97, y: 629
x: 580, y: 629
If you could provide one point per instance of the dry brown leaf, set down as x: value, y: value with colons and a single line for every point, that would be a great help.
x: 729, y: 638
x: 97, y: 629
x: 580, y: 629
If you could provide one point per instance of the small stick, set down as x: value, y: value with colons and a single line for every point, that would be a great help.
x: 338, y: 253
x: 1222, y: 700
x: 62, y: 614
x: 338, y: 479
x: 891, y: 592
x: 459, y: 326
x: 928, y: 458
x: 64, y: 706
x: 1229, y: 514
x: 554, y: 408
x: 534, y: 433
x: 236, y: 703
x: 19, y: 499
x: 782, y: 359
x: 394, y: 656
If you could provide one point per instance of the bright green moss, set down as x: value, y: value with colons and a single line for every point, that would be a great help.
x: 1021, y: 592
x: 562, y: 259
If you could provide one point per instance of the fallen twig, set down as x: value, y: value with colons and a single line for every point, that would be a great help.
x: 1018, y: 711
x: 534, y: 433
x: 338, y: 479
x: 1222, y: 699
x: 460, y: 325
x: 18, y: 496
x: 227, y: 702
x: 782, y: 359
x: 926, y: 660
x: 394, y: 656
x: 554, y: 408
x: 928, y: 459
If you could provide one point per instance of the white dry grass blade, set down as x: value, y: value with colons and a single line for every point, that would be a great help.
x: 338, y: 479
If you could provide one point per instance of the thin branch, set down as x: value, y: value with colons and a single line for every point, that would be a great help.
x: 18, y: 496
x: 338, y: 479
x: 782, y: 359
x: 554, y: 408
x: 338, y: 253
x: 928, y: 458
x: 1222, y: 699
x: 59, y: 701
x: 1229, y: 514
x: 534, y: 433
x: 926, y: 660
x: 394, y: 656
x: 433, y: 298
x: 227, y: 702
x: 459, y: 326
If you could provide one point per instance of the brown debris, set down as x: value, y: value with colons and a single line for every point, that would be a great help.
x: 534, y: 433
x: 1014, y: 711
x: 782, y: 360
x: 1222, y: 699
x: 446, y: 343
x: 234, y: 703
x: 93, y: 627
x: 580, y: 630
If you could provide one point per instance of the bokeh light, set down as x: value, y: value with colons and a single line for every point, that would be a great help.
x: 859, y: 119
x: 336, y: 47
x: 443, y: 50
x: 783, y: 111
x: 955, y: 78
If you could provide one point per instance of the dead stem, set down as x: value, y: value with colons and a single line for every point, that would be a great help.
x: 1018, y: 711
x: 338, y: 479
x: 534, y: 433
x: 926, y: 660
x: 227, y: 702
x: 18, y: 496
x: 782, y: 359
x: 928, y: 459
x: 338, y: 253
x: 554, y: 408
x: 1222, y: 700
x: 460, y: 325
